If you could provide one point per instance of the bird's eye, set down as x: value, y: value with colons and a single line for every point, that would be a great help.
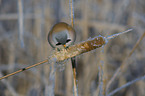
x: 68, y: 40
x: 58, y: 43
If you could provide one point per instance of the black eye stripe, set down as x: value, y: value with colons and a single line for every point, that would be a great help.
x: 58, y: 43
x: 61, y: 43
x: 68, y: 40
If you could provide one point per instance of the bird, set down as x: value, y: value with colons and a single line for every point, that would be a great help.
x: 61, y: 34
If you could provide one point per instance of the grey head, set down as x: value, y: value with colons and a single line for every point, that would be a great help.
x: 61, y: 34
x: 61, y: 37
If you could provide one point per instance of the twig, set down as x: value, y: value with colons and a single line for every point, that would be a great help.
x: 101, y: 74
x: 125, y: 85
x: 21, y: 21
x: 51, y: 85
x: 23, y: 69
x: 71, y: 12
x: 115, y: 35
x: 73, y: 59
x: 123, y: 63
x: 137, y: 43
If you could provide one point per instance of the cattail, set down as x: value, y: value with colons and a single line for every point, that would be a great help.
x: 80, y: 48
x: 84, y: 47
x: 73, y: 50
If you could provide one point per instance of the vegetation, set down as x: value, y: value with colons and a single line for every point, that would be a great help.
x: 25, y: 43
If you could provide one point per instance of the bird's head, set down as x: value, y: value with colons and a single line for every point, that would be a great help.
x: 61, y: 34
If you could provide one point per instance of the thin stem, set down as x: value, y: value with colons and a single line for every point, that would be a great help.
x: 115, y: 35
x: 73, y: 59
x: 23, y: 69
x: 137, y: 43
x: 21, y: 21
x: 71, y: 12
x: 75, y: 83
x: 101, y: 79
x: 123, y: 63
x: 125, y: 85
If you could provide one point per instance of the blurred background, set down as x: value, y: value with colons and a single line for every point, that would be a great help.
x: 24, y: 44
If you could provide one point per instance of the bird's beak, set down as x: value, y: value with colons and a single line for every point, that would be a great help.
x: 64, y: 46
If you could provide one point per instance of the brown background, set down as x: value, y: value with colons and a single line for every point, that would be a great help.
x: 92, y: 18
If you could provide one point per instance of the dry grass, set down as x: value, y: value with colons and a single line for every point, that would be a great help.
x: 92, y: 18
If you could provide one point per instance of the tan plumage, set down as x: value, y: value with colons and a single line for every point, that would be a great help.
x: 61, y: 34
